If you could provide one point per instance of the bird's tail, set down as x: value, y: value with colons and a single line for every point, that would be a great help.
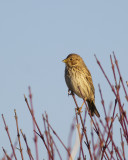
x: 92, y: 108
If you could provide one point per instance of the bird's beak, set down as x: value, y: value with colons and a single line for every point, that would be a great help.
x: 65, y: 61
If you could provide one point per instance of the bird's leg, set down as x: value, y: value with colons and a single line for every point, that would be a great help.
x: 80, y: 108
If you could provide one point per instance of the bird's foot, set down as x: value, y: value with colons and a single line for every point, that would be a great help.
x: 70, y: 92
x: 78, y: 110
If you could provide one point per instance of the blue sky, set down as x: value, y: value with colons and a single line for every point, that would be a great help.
x: 35, y: 36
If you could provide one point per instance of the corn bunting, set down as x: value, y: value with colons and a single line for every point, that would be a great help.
x: 79, y: 80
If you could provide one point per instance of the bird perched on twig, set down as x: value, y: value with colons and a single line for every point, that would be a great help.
x: 79, y: 81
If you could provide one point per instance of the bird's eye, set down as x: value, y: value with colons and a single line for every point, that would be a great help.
x: 71, y: 59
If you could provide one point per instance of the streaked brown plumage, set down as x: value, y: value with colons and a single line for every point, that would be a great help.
x: 78, y: 78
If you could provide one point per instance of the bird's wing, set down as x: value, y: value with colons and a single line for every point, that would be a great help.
x: 89, y: 78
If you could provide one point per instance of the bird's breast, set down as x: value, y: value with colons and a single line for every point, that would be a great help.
x: 77, y: 82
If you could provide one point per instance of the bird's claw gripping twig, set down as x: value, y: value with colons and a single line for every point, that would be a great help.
x: 78, y: 110
x: 70, y: 92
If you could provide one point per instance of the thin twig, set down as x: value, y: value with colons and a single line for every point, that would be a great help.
x: 28, y: 149
x: 122, y: 144
x: 116, y: 62
x: 18, y: 134
x: 6, y: 128
x: 8, y: 158
x: 54, y: 132
x: 33, y: 117
x: 34, y: 127
x: 84, y: 130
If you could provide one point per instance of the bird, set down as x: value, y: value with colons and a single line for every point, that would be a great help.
x: 79, y: 81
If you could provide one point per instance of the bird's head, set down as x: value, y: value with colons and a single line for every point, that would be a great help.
x: 73, y: 60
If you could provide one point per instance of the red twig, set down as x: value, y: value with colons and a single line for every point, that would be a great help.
x: 70, y: 135
x: 84, y: 130
x: 116, y: 62
x: 6, y: 128
x: 28, y: 149
x: 18, y: 135
x: 122, y: 144
x: 102, y: 101
x: 33, y: 117
x: 82, y: 136
x: 58, y: 138
x: 8, y: 158
x: 34, y: 127
x: 105, y: 75
x: 46, y: 133
x: 93, y: 145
